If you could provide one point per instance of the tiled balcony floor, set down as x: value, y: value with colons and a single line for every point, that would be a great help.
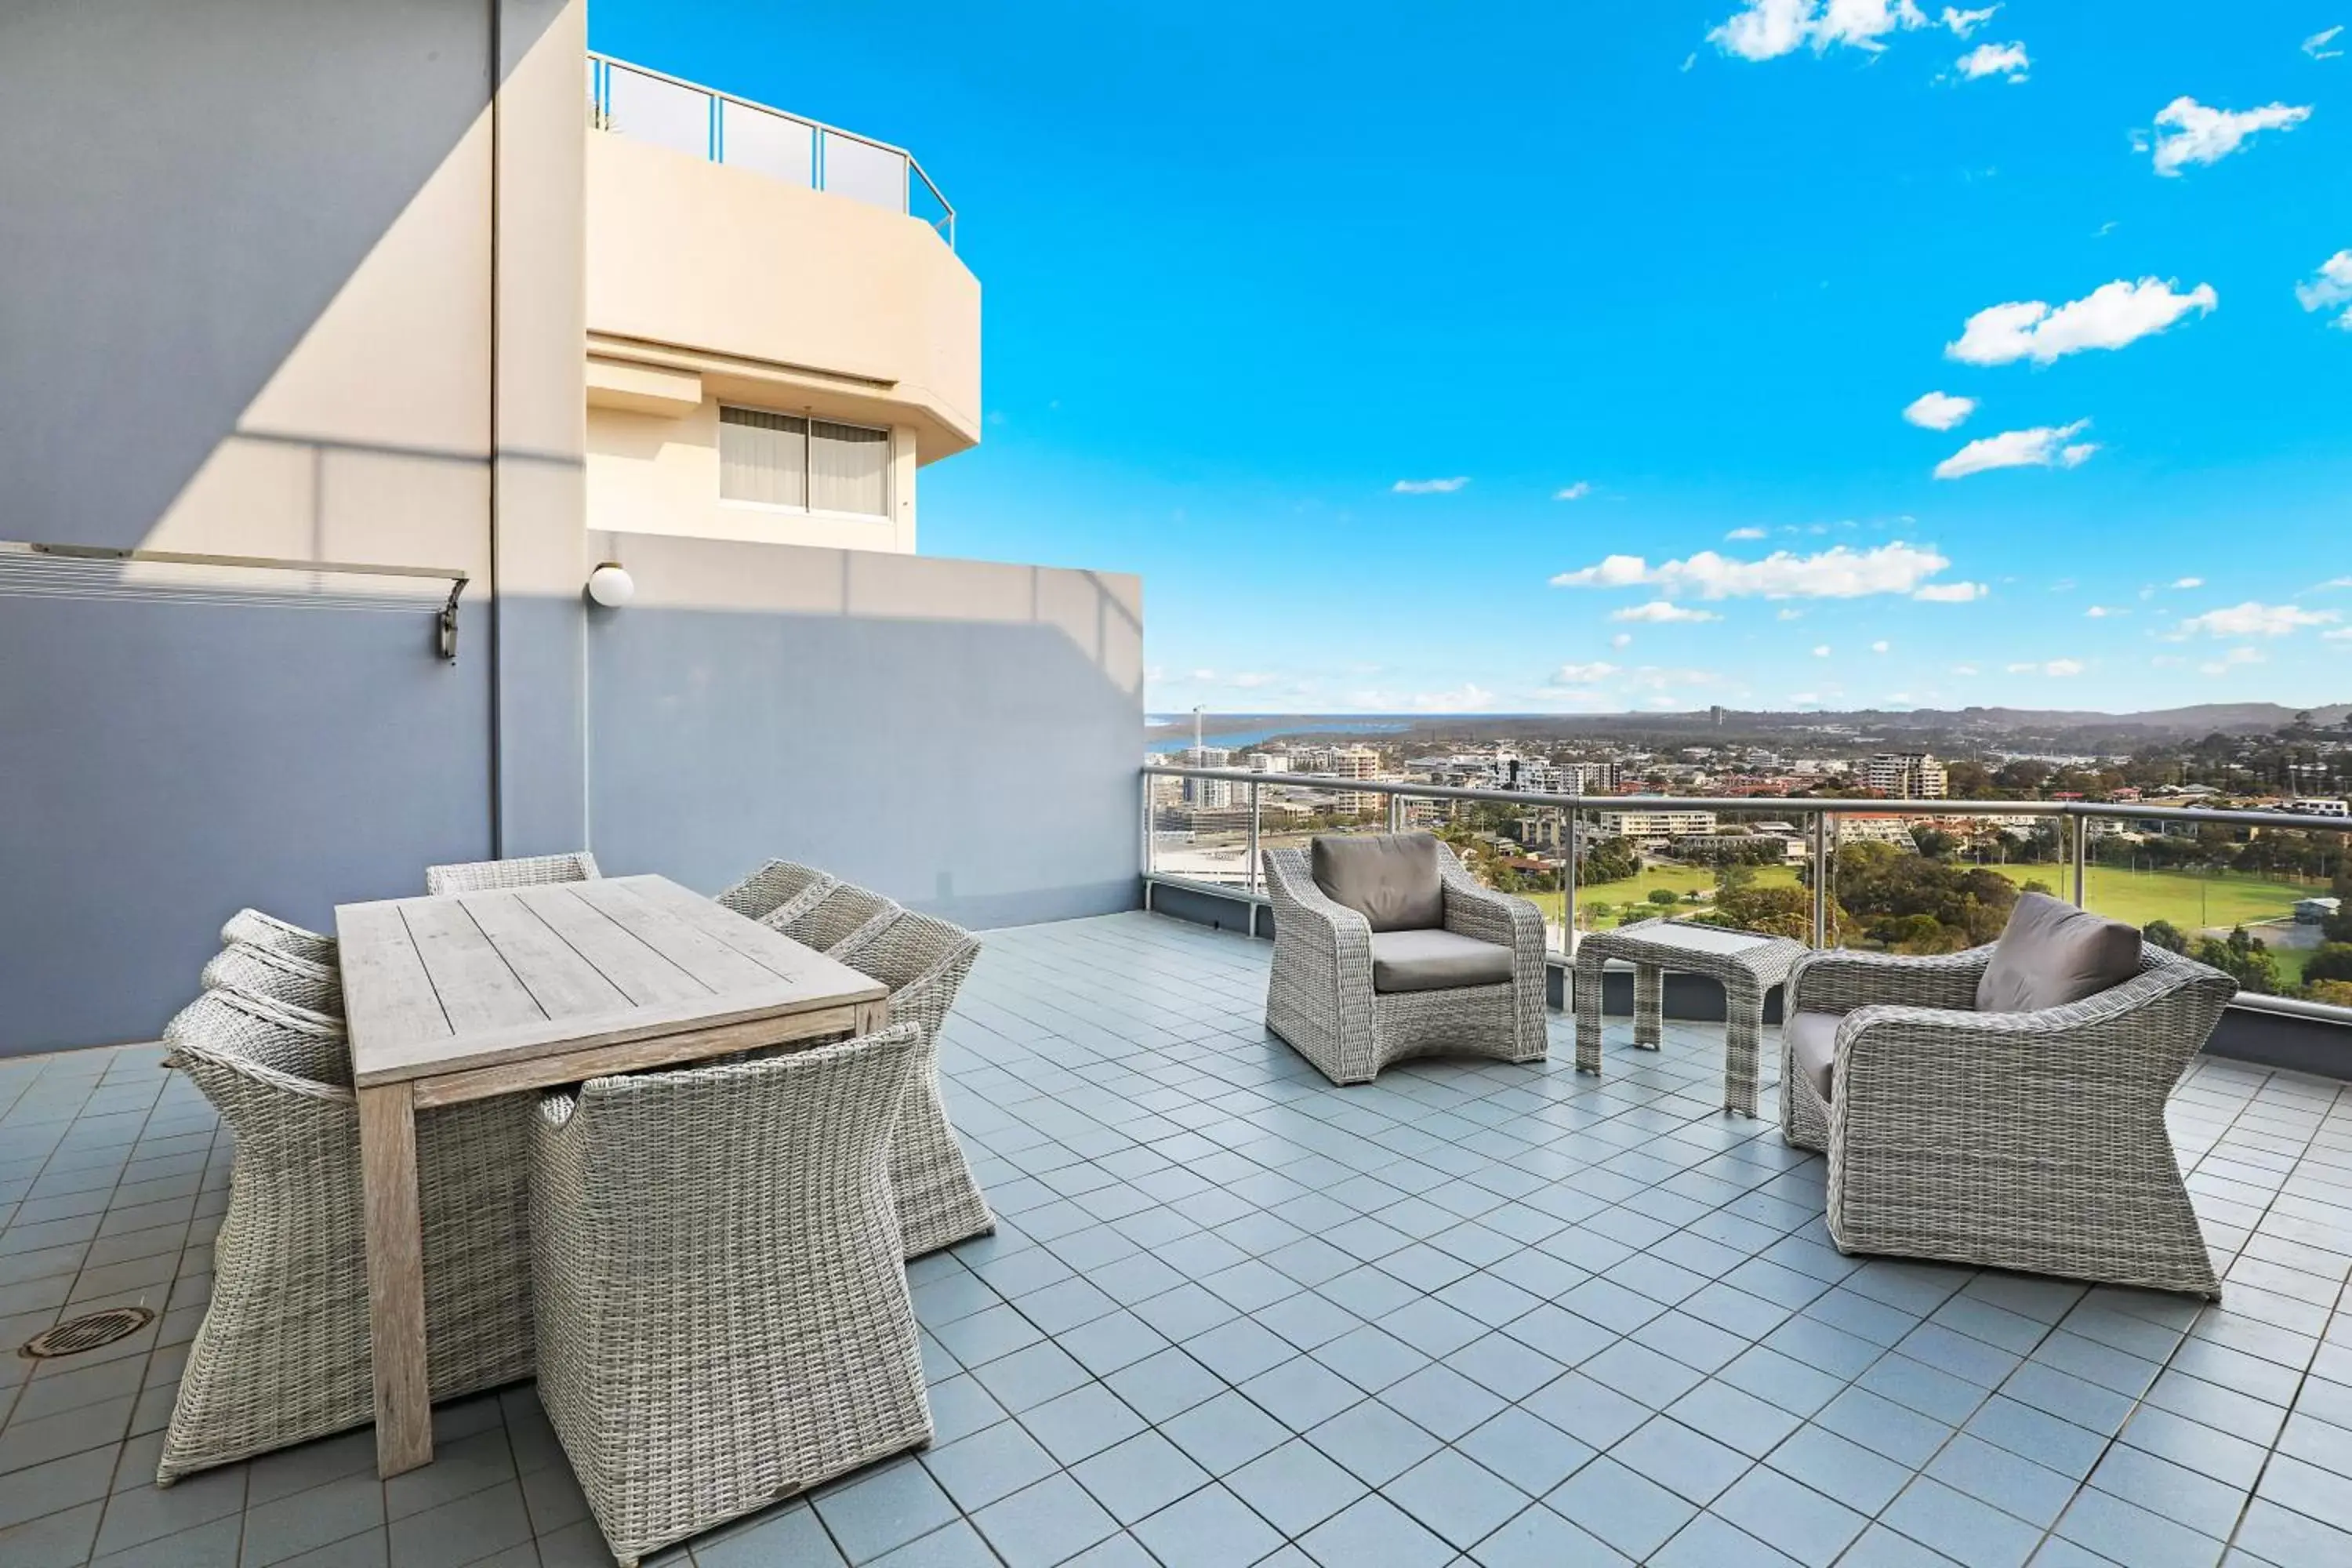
x: 1233, y: 1315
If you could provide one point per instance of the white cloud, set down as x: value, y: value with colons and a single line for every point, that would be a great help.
x: 2232, y: 659
x: 1738, y: 534
x: 1576, y: 491
x: 2188, y: 581
x: 2043, y: 446
x: 1251, y: 681
x: 1583, y: 674
x: 1622, y: 639
x: 1963, y: 23
x: 2007, y: 61
x: 1952, y: 593
x: 2316, y: 45
x: 2057, y: 667
x: 1789, y: 616
x: 2256, y: 619
x: 2187, y: 131
x: 1204, y: 675
x: 1660, y: 612
x: 2330, y: 286
x: 1938, y: 410
x: 2332, y: 583
x: 2112, y: 316
x: 1766, y: 29
x: 1838, y: 572
x: 1879, y: 646
x: 1964, y: 670
x: 2101, y: 613
x: 1429, y: 487
x: 2342, y: 634
x: 1821, y: 650
x: 1805, y: 700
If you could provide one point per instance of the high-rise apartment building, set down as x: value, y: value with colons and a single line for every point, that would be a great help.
x: 1903, y: 775
x: 1208, y: 794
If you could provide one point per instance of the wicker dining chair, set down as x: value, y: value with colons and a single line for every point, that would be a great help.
x: 786, y: 889
x: 1352, y: 998
x: 2030, y: 1141
x: 923, y: 960
x: 723, y: 1320
x: 530, y: 871
x: 274, y: 973
x: 845, y: 912
x: 284, y: 1353
x: 251, y: 926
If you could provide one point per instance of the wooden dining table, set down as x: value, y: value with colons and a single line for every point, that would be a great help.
x: 467, y: 996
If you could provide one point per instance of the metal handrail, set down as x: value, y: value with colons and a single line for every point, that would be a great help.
x: 1821, y: 811
x: 603, y: 89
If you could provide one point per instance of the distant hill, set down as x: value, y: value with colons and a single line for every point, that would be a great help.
x: 2079, y: 727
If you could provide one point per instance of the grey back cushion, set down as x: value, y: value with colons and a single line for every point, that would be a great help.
x: 2051, y: 954
x: 1390, y: 880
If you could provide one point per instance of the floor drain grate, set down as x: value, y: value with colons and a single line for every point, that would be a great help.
x: 87, y: 1333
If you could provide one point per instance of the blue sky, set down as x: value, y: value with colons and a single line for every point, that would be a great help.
x: 1653, y: 280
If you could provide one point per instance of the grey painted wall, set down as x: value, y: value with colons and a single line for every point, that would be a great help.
x: 161, y: 765
x: 981, y: 771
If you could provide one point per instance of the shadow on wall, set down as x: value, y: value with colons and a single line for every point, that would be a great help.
x: 961, y: 735
x: 258, y: 234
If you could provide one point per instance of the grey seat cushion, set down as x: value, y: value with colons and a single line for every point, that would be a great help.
x: 1390, y: 880
x: 1437, y: 961
x: 1812, y: 1047
x: 2051, y: 954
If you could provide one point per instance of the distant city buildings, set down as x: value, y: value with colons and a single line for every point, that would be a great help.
x: 1660, y: 824
x: 1208, y: 794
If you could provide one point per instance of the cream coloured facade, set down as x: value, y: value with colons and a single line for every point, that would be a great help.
x: 715, y: 287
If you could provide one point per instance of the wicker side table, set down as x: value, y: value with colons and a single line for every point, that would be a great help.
x: 1747, y: 965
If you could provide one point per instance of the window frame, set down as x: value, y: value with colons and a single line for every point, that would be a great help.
x: 807, y: 507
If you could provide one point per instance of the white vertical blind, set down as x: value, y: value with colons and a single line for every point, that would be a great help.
x: 849, y: 468
x: 762, y: 456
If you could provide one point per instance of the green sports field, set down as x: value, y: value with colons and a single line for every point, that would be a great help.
x: 2192, y: 901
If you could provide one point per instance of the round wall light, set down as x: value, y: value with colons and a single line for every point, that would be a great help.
x: 611, y: 585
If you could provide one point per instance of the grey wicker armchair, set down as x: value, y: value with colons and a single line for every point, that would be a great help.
x: 250, y: 925
x: 1352, y: 999
x: 2030, y: 1141
x: 268, y: 972
x: 283, y: 1354
x: 923, y: 960
x: 786, y: 889
x: 528, y: 871
x: 844, y: 911
x: 723, y: 1320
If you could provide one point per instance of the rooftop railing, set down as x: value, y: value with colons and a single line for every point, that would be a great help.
x: 669, y: 111
x: 1205, y: 829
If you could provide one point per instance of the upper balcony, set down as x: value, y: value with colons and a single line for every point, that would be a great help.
x: 742, y: 254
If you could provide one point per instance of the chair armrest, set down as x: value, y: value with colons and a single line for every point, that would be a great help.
x: 1316, y: 919
x: 1473, y: 910
x: 1839, y: 980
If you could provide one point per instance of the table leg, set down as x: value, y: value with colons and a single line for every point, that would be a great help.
x: 1743, y: 1031
x: 1585, y: 978
x: 1649, y: 996
x: 872, y: 1016
x: 396, y: 1262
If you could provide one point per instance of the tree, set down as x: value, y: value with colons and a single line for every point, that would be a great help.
x: 2331, y: 961
x: 1663, y: 897
x: 2036, y: 885
x: 2339, y: 992
x: 1768, y: 912
x: 2166, y: 935
x: 1934, y: 843
x: 1612, y: 860
x: 2243, y: 957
